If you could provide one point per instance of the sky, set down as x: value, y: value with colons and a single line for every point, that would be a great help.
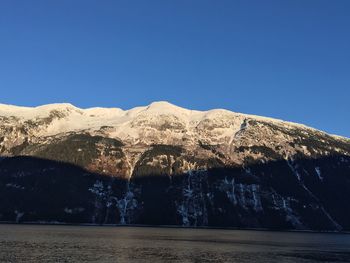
x: 285, y: 59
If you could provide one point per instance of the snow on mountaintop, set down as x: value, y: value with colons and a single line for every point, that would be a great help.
x: 118, y: 115
x: 65, y: 117
x: 34, y: 112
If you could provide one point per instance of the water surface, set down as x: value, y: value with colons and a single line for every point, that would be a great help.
x: 50, y: 243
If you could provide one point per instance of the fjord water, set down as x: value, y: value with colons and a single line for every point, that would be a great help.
x: 59, y: 243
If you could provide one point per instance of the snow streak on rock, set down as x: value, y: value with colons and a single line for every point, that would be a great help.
x: 246, y: 196
x: 126, y: 206
x: 228, y: 186
x: 192, y: 208
x: 318, y: 172
x: 98, y: 190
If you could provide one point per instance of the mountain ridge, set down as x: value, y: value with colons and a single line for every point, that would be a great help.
x: 156, y: 107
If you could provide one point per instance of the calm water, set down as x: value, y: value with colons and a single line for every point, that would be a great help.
x: 33, y: 243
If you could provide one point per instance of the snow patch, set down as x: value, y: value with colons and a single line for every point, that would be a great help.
x: 19, y: 215
x: 318, y: 172
x: 97, y: 188
x: 75, y: 210
x: 16, y: 186
x: 293, y: 167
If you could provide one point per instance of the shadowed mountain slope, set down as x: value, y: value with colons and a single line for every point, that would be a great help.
x: 268, y: 195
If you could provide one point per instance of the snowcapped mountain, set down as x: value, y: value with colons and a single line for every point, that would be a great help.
x: 216, y: 168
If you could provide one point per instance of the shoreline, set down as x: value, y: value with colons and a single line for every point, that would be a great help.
x: 177, y: 227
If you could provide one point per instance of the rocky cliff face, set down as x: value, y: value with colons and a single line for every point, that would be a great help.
x: 163, y: 164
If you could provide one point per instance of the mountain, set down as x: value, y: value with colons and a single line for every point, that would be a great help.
x: 165, y: 165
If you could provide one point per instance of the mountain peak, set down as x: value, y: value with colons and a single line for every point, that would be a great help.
x: 57, y: 106
x: 165, y: 107
x: 162, y: 104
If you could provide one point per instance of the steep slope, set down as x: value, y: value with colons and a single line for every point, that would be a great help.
x: 216, y: 168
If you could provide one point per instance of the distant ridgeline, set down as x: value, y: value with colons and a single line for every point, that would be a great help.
x: 165, y: 165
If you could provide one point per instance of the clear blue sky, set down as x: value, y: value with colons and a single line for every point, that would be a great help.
x: 287, y: 59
